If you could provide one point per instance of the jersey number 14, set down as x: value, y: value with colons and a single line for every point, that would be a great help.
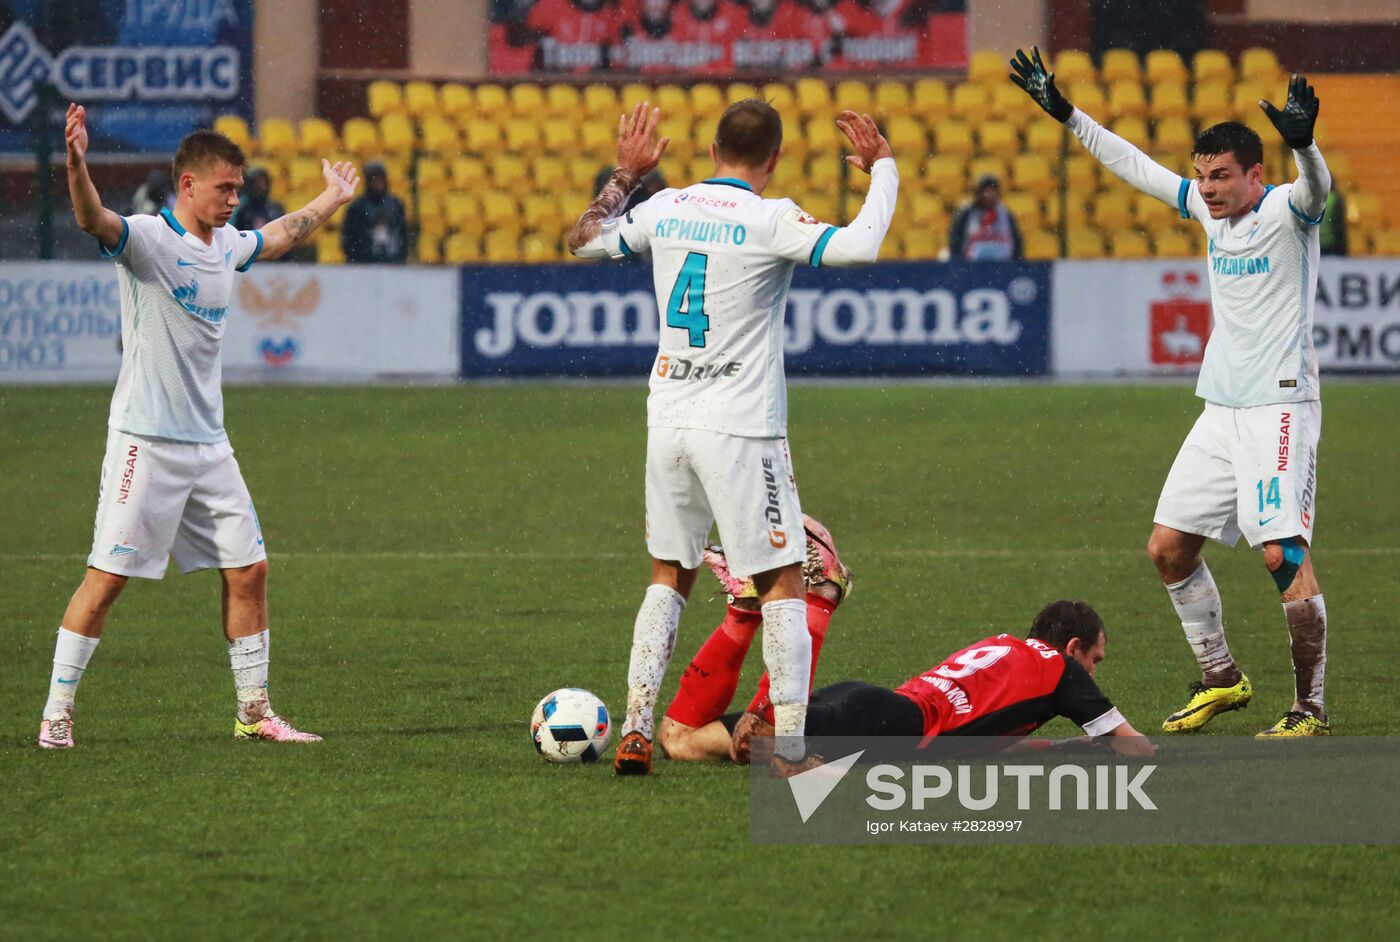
x: 686, y: 309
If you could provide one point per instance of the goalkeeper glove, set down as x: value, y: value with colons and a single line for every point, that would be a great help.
x: 1296, y: 121
x: 1032, y: 76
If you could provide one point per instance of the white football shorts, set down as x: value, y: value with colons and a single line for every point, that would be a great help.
x: 161, y: 498
x: 1249, y: 471
x: 696, y: 478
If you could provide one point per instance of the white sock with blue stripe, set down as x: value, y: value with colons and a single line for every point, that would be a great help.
x: 70, y: 658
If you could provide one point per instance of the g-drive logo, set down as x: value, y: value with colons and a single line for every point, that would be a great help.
x: 112, y: 73
x: 921, y: 787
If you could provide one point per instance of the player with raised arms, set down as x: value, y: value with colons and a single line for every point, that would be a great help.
x: 1249, y: 465
x: 170, y: 484
x: 717, y: 453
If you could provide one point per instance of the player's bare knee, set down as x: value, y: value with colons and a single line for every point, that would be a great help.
x: 674, y: 740
x: 104, y: 586
x: 247, y: 580
x: 1284, y: 559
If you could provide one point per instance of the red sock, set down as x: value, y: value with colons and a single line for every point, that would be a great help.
x: 819, y: 611
x: 708, y: 684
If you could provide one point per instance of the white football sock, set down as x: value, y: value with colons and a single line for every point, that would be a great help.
x: 653, y: 640
x: 1197, y: 604
x: 787, y: 653
x: 1307, y: 634
x: 248, y: 657
x: 70, y: 658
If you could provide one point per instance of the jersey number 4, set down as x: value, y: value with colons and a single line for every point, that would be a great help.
x: 970, y: 662
x: 686, y: 309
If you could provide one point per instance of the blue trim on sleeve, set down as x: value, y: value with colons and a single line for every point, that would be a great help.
x: 1310, y: 221
x: 626, y: 249
x: 254, y: 257
x: 171, y: 221
x: 729, y: 181
x: 1182, y: 192
x: 121, y: 243
x: 1267, y: 190
x: 819, y: 249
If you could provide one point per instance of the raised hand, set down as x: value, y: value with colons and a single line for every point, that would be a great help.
x: 865, y: 137
x: 1296, y: 121
x: 341, y: 180
x: 75, y: 135
x: 1039, y: 82
x: 638, y: 150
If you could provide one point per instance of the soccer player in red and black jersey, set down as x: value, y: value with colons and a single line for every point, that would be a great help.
x: 1000, y: 686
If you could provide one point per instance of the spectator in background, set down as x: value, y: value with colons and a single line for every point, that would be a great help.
x: 153, y: 195
x: 375, y: 229
x: 985, y: 230
x: 1333, y: 231
x: 255, y: 207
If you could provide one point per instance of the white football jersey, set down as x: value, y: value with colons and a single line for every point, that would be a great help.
x: 175, y: 295
x: 1263, y: 286
x: 722, y: 259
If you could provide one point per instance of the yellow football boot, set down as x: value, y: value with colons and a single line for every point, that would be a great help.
x: 1206, y: 702
x: 1297, y: 723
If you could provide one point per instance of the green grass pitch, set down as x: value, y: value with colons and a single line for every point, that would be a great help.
x: 442, y: 557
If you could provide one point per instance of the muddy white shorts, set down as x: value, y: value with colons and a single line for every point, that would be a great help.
x: 1250, y: 471
x: 161, y: 498
x: 696, y: 478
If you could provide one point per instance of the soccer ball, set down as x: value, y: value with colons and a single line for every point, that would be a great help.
x: 570, y: 725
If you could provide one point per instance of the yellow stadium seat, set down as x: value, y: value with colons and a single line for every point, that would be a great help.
x: 1046, y: 137
x: 1169, y: 101
x: 1258, y: 64
x: 582, y: 172
x: 502, y: 245
x: 396, y: 135
x: 396, y: 166
x: 492, y: 102
x: 907, y: 140
x: 1172, y: 243
x: 1165, y: 65
x: 600, y: 103
x: 1126, y: 99
x: 461, y: 248
x: 540, y: 211
x: 440, y: 137
x: 1211, y: 66
x: 527, y: 101
x: 468, y: 173
x: 822, y: 206
x: 853, y: 95
x: 1009, y: 103
x: 329, y: 250
x: 361, y: 138
x: 1129, y: 244
x: 421, y: 99
x: 456, y: 101
x: 1244, y: 100
x: 499, y: 210
x: 631, y: 95
x: 1067, y: 209
x: 984, y: 167
x: 481, y: 136
x: 1151, y: 213
x: 780, y: 96
x: 1082, y: 172
x: 678, y: 129
x: 1084, y: 242
x: 823, y: 137
x: 1339, y: 163
x: 1365, y: 211
x: 574, y: 202
x: 944, y: 176
x: 988, y: 67
x: 462, y: 211
x: 930, y: 99
x: 433, y: 180
x: 564, y: 101
x: 1112, y: 211
x: 892, y: 100
x: 1072, y: 67
x: 431, y: 212
x: 303, y: 173
x: 922, y: 244
x: 537, y: 247
x: 997, y: 139
x: 813, y: 97
x: 560, y: 135
x: 522, y: 136
x: 699, y: 168
x: 740, y: 91
x: 824, y: 174
x: 1211, y: 103
x: 598, y: 139
x: 235, y: 129
x: 1133, y: 130
x: 927, y: 210
x: 1039, y: 245
x: 508, y: 171
x: 385, y: 98
x: 706, y: 101
x: 1173, y: 135
x: 970, y: 102
x: 277, y: 138
x: 550, y: 174
x: 953, y: 138
x: 429, y: 248
x: 1026, y: 209
x: 1386, y: 242
x: 1120, y: 65
x: 672, y: 100
x: 1034, y: 174
x: 1088, y: 96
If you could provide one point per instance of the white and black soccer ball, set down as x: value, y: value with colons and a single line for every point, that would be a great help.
x: 570, y: 725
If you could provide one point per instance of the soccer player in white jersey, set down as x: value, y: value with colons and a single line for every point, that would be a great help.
x: 1249, y: 466
x: 722, y: 259
x: 170, y: 484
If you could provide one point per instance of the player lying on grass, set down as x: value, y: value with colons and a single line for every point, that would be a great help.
x: 170, y: 484
x: 1249, y: 466
x: 717, y: 451
x: 999, y: 686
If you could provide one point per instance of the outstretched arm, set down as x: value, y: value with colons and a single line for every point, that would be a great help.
x: 638, y: 153
x: 1295, y: 124
x: 93, y: 218
x: 282, y: 235
x: 859, y: 242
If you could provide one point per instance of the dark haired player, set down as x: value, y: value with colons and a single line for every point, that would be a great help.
x: 1249, y: 466
x: 170, y: 484
x: 722, y: 259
